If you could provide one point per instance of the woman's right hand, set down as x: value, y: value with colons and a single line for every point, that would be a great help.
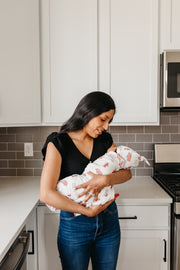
x: 95, y: 210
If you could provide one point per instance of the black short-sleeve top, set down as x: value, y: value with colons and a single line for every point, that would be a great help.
x: 73, y: 161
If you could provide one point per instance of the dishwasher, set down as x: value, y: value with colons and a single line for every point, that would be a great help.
x: 15, y: 258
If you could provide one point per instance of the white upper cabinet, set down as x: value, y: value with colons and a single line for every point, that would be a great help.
x: 128, y: 56
x: 104, y: 45
x: 169, y: 25
x: 19, y: 63
x: 86, y: 45
x: 69, y: 55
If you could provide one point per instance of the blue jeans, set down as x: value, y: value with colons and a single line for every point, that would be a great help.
x: 81, y: 238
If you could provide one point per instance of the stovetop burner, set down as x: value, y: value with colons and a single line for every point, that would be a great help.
x: 171, y: 183
x: 167, y: 168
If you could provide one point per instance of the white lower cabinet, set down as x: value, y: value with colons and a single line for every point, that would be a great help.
x: 48, y: 223
x: 31, y: 226
x: 144, y: 238
x: 143, y: 249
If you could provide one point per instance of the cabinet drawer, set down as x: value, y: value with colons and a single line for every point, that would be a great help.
x: 143, y: 216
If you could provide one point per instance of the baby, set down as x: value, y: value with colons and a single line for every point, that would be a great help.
x: 123, y: 158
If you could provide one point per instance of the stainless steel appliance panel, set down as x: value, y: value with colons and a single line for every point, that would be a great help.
x: 176, y: 255
x: 170, y: 80
x: 167, y: 174
x: 15, y: 258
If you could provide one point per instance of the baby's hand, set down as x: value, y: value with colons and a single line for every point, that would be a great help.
x: 112, y: 148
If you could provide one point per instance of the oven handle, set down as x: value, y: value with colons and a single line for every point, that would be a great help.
x: 25, y: 239
x: 32, y: 243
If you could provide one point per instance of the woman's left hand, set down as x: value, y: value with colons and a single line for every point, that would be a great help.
x: 93, y: 186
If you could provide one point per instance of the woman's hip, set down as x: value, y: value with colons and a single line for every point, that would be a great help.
x: 78, y: 227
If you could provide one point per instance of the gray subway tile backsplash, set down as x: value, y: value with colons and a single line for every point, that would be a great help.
x: 118, y: 129
x: 126, y: 138
x: 140, y: 138
x: 25, y: 172
x: 175, y: 137
x: 175, y: 120
x: 7, y: 138
x: 170, y: 129
x: 16, y: 163
x: 2, y: 130
x: 158, y: 138
x: 7, y: 155
x: 153, y: 129
x: 8, y: 172
x: 135, y: 129
x: 3, y: 146
x: 144, y: 138
x: 3, y: 163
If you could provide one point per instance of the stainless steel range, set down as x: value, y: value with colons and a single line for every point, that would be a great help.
x: 167, y: 174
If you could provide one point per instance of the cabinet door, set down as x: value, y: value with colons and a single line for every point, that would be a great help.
x: 48, y: 256
x: 143, y: 249
x: 19, y: 62
x: 128, y: 58
x: 69, y: 55
x: 169, y: 25
x: 31, y: 226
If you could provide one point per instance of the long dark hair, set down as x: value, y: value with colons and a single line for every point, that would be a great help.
x: 90, y: 106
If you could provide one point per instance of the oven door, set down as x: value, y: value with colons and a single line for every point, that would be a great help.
x: 15, y: 258
x: 176, y: 244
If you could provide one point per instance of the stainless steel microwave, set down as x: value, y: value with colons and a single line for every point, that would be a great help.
x: 170, y: 80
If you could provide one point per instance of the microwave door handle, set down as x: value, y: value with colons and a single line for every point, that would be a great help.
x: 165, y: 83
x: 161, y: 79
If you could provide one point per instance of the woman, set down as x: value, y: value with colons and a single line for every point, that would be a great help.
x: 83, y: 138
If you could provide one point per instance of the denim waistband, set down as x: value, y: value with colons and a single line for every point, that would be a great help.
x: 110, y: 210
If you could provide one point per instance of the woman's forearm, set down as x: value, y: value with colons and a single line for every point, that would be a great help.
x: 118, y: 177
x: 59, y: 201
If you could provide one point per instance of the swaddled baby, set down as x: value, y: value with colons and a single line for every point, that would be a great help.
x: 123, y: 158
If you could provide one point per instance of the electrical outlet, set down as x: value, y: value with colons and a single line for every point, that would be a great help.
x: 28, y: 149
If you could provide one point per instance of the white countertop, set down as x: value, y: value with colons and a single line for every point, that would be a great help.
x: 19, y: 195
x: 141, y: 190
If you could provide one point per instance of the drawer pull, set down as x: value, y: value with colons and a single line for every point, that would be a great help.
x: 165, y: 249
x: 135, y: 217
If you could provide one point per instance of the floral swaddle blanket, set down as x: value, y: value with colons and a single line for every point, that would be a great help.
x: 123, y: 158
